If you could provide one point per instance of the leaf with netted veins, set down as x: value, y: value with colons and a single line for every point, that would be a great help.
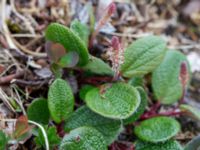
x: 61, y: 34
x: 116, y: 101
x: 157, y: 129
x: 60, y: 100
x: 81, y: 30
x: 136, y: 115
x: 166, y: 83
x: 143, y: 56
x: 83, y: 138
x: 168, y: 145
x: 83, y: 116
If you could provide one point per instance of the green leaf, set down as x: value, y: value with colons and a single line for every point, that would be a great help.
x: 143, y: 56
x: 165, y: 79
x: 117, y: 100
x: 109, y: 128
x: 136, y: 115
x: 81, y: 30
x: 3, y: 140
x: 168, y: 145
x: 83, y: 138
x: 194, y: 144
x: 52, y: 136
x: 194, y: 112
x: 63, y: 35
x: 136, y: 81
x: 69, y: 60
x: 97, y: 66
x: 60, y: 100
x: 83, y: 91
x: 38, y: 111
x: 157, y: 129
x: 54, y: 51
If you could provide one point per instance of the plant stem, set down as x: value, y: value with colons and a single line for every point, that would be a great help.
x: 152, y: 110
x: 170, y: 113
x: 43, y: 132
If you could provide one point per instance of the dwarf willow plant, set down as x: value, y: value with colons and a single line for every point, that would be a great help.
x: 110, y: 105
x: 118, y: 99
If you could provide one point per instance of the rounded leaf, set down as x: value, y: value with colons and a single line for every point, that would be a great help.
x: 166, y: 84
x: 117, y: 100
x: 63, y: 35
x: 157, y: 129
x: 38, y: 111
x: 60, y: 100
x: 83, y: 138
x: 54, y: 51
x: 136, y: 115
x: 83, y: 116
x: 143, y: 56
x: 168, y: 145
x: 69, y: 60
x: 81, y: 30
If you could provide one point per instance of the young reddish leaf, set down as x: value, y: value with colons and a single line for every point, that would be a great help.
x: 69, y: 60
x: 69, y: 40
x: 54, y: 51
x: 21, y: 126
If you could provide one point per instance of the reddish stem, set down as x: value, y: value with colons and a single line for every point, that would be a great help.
x: 60, y: 129
x: 155, y: 107
x: 170, y: 113
x: 97, y: 80
x: 152, y: 110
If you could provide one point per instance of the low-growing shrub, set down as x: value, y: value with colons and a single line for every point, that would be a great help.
x: 115, y: 94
